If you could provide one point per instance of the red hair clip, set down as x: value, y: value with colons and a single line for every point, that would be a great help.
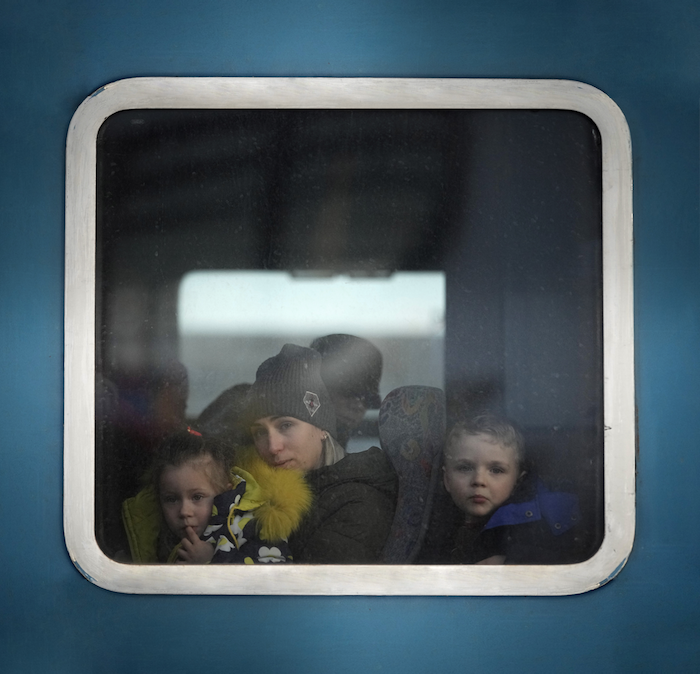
x: 193, y: 432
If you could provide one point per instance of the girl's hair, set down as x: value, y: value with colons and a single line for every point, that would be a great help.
x: 191, y: 446
x: 498, y: 428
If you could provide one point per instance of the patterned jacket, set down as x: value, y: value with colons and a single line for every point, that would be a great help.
x: 250, y: 523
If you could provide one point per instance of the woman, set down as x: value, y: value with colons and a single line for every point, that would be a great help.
x: 293, y: 425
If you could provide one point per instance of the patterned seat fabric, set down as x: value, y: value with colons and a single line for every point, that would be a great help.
x: 412, y: 433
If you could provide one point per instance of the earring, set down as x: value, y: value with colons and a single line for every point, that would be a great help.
x: 324, y: 436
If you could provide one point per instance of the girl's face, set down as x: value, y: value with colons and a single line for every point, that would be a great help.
x: 186, y: 497
x: 287, y: 442
x: 480, y: 474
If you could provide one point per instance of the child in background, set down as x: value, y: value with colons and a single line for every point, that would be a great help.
x: 198, y: 511
x: 507, y: 516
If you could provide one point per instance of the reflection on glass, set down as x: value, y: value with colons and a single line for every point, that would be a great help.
x: 466, y: 245
x: 230, y: 321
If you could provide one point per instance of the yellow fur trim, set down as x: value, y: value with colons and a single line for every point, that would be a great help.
x: 278, y: 499
x: 283, y: 497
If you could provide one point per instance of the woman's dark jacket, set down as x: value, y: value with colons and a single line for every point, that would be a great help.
x: 352, y: 512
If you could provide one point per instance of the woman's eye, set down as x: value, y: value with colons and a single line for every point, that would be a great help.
x: 498, y: 471
x: 258, y: 433
x: 169, y: 499
x: 285, y: 425
x: 197, y: 497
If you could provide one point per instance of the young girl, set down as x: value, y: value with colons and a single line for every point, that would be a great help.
x: 197, y: 511
x: 505, y: 515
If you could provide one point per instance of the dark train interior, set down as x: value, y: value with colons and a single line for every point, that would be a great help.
x: 505, y: 206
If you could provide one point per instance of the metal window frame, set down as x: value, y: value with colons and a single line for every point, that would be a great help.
x: 348, y: 93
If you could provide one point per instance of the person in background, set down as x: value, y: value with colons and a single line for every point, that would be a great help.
x: 222, y: 418
x: 293, y: 425
x: 351, y: 369
x: 135, y: 411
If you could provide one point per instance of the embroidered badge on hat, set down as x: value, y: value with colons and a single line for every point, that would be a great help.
x: 311, y: 402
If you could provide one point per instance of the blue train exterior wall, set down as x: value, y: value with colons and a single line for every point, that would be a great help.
x: 645, y: 55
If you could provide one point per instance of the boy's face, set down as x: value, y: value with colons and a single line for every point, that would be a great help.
x: 480, y: 474
x: 186, y: 497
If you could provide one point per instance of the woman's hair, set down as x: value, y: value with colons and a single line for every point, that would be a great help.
x: 189, y: 446
x: 500, y: 429
x: 332, y: 451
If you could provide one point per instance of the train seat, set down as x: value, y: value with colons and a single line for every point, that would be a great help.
x: 412, y: 433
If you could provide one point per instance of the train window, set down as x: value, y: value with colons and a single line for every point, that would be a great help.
x: 476, y: 233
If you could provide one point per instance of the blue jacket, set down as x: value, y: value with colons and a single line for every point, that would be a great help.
x: 558, y: 509
x: 538, y: 530
x: 535, y: 526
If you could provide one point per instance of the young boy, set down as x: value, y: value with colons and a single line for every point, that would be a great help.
x: 505, y: 517
x: 196, y: 511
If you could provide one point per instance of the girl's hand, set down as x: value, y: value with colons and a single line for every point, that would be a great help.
x: 193, y: 550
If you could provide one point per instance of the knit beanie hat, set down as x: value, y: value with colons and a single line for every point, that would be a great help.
x: 290, y: 385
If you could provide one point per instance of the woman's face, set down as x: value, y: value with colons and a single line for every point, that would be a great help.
x: 287, y: 442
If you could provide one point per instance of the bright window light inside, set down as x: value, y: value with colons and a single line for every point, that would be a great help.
x: 273, y: 303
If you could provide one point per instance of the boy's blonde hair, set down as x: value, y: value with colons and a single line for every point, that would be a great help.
x: 498, y: 428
